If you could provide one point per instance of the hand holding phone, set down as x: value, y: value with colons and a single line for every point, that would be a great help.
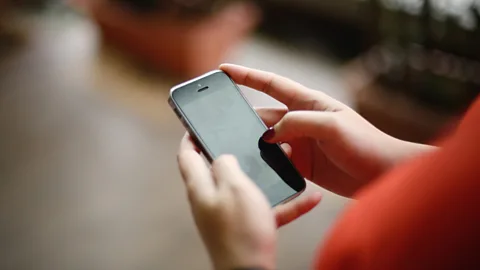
x: 221, y: 121
x: 231, y: 213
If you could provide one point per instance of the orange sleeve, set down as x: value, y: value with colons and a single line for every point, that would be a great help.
x: 422, y: 215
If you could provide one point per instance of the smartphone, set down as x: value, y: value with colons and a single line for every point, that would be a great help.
x: 221, y: 121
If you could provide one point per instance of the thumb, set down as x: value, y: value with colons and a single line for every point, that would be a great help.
x: 306, y: 124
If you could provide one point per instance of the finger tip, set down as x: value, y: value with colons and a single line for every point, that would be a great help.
x: 269, y: 135
x: 187, y: 154
x: 226, y: 66
x: 317, y: 196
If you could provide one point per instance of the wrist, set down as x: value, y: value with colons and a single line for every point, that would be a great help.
x: 388, y: 153
x: 408, y: 150
x: 251, y: 262
x: 402, y: 151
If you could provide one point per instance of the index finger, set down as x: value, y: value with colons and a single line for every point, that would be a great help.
x: 280, y: 88
x: 196, y: 175
x: 188, y: 143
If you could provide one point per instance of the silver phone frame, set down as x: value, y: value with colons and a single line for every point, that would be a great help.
x: 190, y: 129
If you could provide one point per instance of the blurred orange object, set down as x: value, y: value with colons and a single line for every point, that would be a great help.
x: 180, y: 45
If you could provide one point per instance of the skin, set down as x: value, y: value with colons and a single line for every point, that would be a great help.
x: 328, y: 142
x: 226, y: 204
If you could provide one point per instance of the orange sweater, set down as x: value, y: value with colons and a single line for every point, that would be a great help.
x: 424, y: 214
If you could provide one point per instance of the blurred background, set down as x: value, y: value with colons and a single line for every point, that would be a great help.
x: 88, y: 176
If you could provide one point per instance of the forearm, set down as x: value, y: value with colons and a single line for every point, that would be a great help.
x: 388, y: 152
x: 407, y: 150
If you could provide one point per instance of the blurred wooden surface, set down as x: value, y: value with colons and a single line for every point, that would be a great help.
x: 88, y: 176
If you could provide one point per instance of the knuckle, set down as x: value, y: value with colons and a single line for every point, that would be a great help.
x: 192, y: 192
x: 200, y: 201
x: 192, y: 198
x: 247, y: 77
x: 271, y: 75
x: 205, y: 206
x: 290, y: 119
x: 332, y: 123
x: 316, y: 104
x: 190, y: 187
x: 224, y: 160
x: 208, y: 204
x: 238, y: 184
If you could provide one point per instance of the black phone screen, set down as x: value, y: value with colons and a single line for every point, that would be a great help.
x: 224, y: 123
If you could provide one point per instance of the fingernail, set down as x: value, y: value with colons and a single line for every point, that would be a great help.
x: 269, y: 134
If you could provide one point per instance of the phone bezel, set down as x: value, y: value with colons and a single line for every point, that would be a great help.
x: 197, y: 138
